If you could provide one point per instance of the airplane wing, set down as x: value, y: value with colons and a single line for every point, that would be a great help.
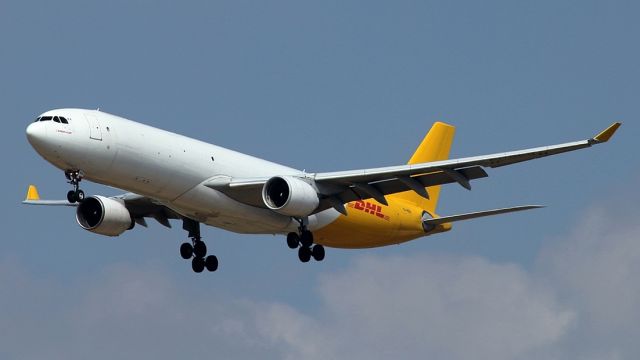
x: 140, y: 207
x: 33, y: 198
x: 338, y: 188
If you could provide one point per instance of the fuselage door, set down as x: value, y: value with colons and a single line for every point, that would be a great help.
x: 94, y: 127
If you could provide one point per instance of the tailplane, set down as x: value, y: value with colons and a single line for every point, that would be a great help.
x: 430, y: 222
x: 434, y: 147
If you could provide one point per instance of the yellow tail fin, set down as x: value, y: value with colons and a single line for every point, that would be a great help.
x: 434, y: 147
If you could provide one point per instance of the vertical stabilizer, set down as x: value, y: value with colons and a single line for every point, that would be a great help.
x: 434, y: 147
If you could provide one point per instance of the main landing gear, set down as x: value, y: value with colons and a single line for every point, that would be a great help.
x: 303, y: 241
x: 74, y: 177
x: 197, y: 249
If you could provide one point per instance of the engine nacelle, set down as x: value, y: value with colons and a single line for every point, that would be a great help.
x: 104, y: 216
x: 288, y: 195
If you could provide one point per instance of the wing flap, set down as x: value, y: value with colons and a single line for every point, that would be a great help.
x: 392, y: 186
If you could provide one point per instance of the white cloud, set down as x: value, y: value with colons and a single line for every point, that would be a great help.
x: 579, y: 301
x: 402, y: 307
x: 595, y: 271
x: 126, y: 312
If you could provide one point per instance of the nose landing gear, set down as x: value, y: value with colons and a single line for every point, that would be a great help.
x: 197, y: 249
x: 74, y: 177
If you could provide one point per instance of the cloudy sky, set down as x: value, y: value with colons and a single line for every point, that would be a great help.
x: 329, y: 86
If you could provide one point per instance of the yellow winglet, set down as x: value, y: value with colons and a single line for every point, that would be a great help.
x: 607, y: 133
x: 32, y: 193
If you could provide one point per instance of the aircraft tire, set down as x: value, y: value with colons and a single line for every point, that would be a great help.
x: 317, y: 252
x: 197, y: 264
x: 79, y: 195
x: 211, y: 263
x: 293, y: 240
x: 304, y: 254
x: 71, y: 196
x: 306, y: 238
x: 200, y: 249
x: 186, y: 251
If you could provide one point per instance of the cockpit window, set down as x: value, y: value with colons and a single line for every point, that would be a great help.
x: 58, y: 119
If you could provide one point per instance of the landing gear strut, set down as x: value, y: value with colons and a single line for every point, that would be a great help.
x: 197, y: 249
x: 303, y: 241
x: 74, y: 177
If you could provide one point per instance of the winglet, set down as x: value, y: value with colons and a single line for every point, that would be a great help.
x: 607, y: 133
x: 33, y: 198
x: 32, y: 193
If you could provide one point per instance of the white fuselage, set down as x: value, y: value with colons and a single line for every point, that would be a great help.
x: 163, y: 166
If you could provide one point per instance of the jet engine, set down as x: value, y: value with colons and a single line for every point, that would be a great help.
x: 104, y: 216
x: 288, y: 195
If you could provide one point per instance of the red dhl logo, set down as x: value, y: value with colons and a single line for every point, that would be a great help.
x: 369, y: 208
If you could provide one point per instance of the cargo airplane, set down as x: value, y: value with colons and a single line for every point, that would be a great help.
x: 169, y: 176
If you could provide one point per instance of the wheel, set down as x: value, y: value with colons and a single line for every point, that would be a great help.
x: 293, y: 240
x: 186, y: 251
x: 306, y: 238
x: 197, y: 264
x: 211, y: 263
x: 79, y: 195
x: 71, y: 196
x: 304, y: 254
x: 318, y: 252
x: 200, y: 249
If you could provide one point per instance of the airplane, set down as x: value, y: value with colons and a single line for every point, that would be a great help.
x: 170, y: 176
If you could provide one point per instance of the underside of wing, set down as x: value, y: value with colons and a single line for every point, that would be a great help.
x: 139, y: 207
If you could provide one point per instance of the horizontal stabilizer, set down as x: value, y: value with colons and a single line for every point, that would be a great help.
x: 473, y: 215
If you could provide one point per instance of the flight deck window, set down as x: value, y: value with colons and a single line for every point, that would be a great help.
x: 63, y: 120
x: 55, y: 119
x: 45, y: 118
x: 37, y: 119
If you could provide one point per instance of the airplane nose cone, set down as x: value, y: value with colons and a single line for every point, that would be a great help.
x: 36, y: 134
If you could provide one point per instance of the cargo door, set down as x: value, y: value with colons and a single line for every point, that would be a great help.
x: 95, y: 132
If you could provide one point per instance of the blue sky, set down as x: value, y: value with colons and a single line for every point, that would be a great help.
x: 328, y: 86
